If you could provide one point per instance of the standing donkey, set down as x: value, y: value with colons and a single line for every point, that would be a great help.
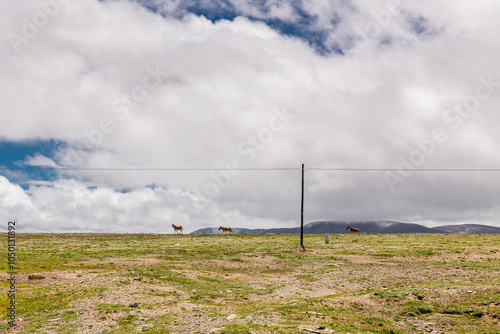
x: 352, y: 229
x: 226, y: 230
x: 177, y: 229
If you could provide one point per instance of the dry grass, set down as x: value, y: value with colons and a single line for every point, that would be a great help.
x: 105, y: 283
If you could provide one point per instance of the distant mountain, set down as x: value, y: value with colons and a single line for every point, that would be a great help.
x: 468, y: 228
x: 368, y: 227
x: 337, y: 227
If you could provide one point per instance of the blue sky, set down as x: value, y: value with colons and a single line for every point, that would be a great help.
x: 14, y: 156
x: 134, y: 86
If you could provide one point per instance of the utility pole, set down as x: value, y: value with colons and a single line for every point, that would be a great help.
x: 302, y: 213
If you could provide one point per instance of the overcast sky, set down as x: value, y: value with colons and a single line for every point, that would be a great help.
x: 114, y: 112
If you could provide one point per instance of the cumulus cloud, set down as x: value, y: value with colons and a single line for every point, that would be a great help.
x: 73, y: 206
x: 40, y: 160
x: 157, y: 85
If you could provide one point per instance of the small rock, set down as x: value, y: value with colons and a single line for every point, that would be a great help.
x: 310, y: 330
x: 470, y: 291
x: 231, y: 317
x: 315, y: 313
x: 146, y: 327
x: 134, y: 305
x: 137, y: 279
x: 36, y: 276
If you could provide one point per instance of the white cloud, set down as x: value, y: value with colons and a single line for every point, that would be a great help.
x: 86, y: 79
x: 40, y: 160
x: 14, y: 199
x: 72, y: 206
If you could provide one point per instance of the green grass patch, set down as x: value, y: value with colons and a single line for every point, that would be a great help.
x: 357, y: 284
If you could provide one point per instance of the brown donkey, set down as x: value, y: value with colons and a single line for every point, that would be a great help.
x: 352, y: 229
x: 226, y: 230
x: 178, y: 229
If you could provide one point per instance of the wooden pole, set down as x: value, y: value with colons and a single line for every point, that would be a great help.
x: 302, y: 212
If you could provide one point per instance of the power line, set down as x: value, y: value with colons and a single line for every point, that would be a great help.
x: 62, y: 169
x: 142, y: 169
x: 407, y: 169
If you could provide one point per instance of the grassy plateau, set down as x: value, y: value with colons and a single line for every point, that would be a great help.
x: 254, y: 283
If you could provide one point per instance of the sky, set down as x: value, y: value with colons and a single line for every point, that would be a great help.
x: 130, y: 116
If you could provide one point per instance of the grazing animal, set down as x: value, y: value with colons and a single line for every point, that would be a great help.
x: 352, y: 229
x: 177, y: 228
x: 226, y: 230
